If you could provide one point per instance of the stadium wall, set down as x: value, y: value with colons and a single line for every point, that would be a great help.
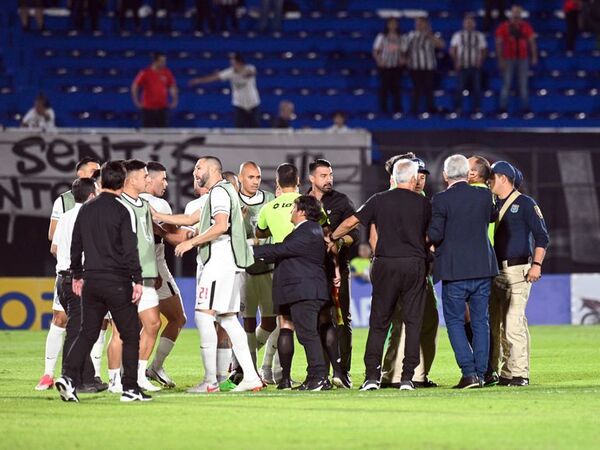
x: 26, y: 303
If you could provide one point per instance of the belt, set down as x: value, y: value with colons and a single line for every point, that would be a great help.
x: 516, y: 261
x: 64, y: 273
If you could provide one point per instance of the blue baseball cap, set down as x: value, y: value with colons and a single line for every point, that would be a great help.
x: 518, y: 178
x: 504, y: 168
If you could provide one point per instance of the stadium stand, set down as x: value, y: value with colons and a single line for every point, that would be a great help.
x: 321, y: 63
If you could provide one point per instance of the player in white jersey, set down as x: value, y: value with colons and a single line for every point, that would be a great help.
x: 54, y: 340
x: 258, y: 279
x: 169, y: 296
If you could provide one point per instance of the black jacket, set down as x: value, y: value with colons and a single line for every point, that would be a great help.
x: 103, y: 231
x: 299, y: 271
x: 459, y: 231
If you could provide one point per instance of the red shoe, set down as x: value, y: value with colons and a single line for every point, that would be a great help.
x: 46, y: 382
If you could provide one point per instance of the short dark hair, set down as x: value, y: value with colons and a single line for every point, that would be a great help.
x: 320, y: 162
x: 41, y: 97
x: 113, y: 174
x: 339, y: 113
x: 84, y: 162
x: 96, y: 175
x: 131, y: 165
x: 82, y: 188
x: 311, y: 207
x: 214, y: 160
x: 237, y: 57
x: 156, y: 55
x: 287, y: 175
x: 229, y: 175
x: 154, y: 166
x: 483, y: 168
x: 389, y: 164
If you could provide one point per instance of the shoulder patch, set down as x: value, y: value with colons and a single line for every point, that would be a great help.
x: 514, y: 208
x: 538, y: 211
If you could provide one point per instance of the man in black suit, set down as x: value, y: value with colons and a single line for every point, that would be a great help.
x: 300, y: 288
x: 466, y: 263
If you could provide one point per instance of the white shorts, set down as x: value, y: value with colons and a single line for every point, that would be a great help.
x: 168, y: 288
x: 219, y: 286
x: 149, y: 297
x: 257, y: 294
x: 56, y: 306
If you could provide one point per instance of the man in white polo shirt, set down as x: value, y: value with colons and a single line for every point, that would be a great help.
x: 244, y: 94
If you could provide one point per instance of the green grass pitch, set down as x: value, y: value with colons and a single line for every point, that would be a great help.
x: 561, y: 409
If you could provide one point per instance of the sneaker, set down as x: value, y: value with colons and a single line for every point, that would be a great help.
x: 407, y: 385
x: 370, y: 385
x: 503, y: 381
x: 160, y: 376
x: 46, y: 382
x: 315, y: 385
x: 236, y: 376
x: 145, y: 384
x: 88, y: 388
x: 135, y: 395
x: 491, y: 379
x: 266, y: 373
x: 115, y: 387
x: 425, y: 384
x: 100, y: 385
x: 285, y: 384
x: 468, y: 382
x: 65, y: 388
x: 227, y: 385
x: 253, y: 385
x: 342, y: 381
x: 204, y: 388
x: 519, y: 382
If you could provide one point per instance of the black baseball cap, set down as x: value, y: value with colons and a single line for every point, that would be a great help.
x: 421, y: 164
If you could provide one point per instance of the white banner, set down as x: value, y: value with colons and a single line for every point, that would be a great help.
x: 585, y: 299
x: 35, y: 168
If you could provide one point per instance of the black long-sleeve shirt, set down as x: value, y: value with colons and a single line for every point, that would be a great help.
x: 104, y: 232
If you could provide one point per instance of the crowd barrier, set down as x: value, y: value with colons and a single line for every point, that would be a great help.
x: 26, y: 303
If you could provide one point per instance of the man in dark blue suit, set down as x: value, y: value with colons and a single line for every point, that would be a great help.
x: 465, y: 262
x: 300, y: 287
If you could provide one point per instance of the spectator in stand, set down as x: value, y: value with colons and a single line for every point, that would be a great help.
x: 244, y: 94
x: 360, y: 266
x: 285, y: 116
x: 468, y: 50
x: 572, y: 8
x: 590, y: 13
x: 204, y: 15
x: 157, y: 83
x: 387, y: 52
x: 267, y: 7
x: 41, y: 116
x: 339, y: 123
x: 80, y: 9
x: 515, y: 49
x: 24, y: 6
x: 421, y: 45
x: 226, y: 12
x: 133, y: 6
x: 490, y: 6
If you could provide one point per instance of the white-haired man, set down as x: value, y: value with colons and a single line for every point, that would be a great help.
x: 401, y: 217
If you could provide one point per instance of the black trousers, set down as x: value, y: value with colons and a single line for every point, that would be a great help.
x: 572, y: 19
x: 394, y: 280
x: 345, y: 330
x: 422, y: 88
x: 246, y: 118
x: 305, y: 315
x: 72, y: 306
x: 389, y: 85
x: 155, y: 118
x: 99, y: 297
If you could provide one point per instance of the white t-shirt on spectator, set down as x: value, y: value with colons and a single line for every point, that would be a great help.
x: 243, y: 87
x: 338, y: 129
x: 36, y: 121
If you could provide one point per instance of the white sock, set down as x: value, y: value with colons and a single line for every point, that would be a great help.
x: 223, y: 362
x: 271, y: 349
x: 237, y: 336
x: 114, y: 375
x: 208, y: 345
x: 262, y: 336
x: 165, y: 345
x: 142, y: 366
x: 96, y: 353
x: 54, y: 342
